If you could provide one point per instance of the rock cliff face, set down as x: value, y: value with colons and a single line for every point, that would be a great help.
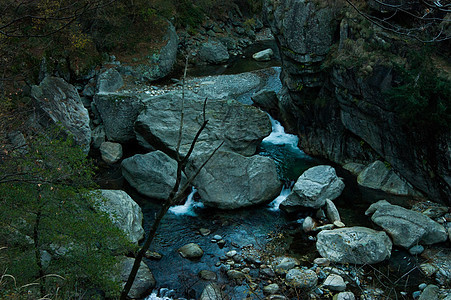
x: 334, y: 94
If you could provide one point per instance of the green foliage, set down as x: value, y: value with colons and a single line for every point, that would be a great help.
x: 422, y: 98
x: 47, y: 207
x: 189, y: 14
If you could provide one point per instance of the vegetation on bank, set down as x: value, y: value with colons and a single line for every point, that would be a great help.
x: 53, y: 242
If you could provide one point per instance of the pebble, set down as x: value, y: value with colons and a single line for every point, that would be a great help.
x: 335, y: 283
x: 204, y: 231
x: 422, y: 286
x: 271, y: 289
x: 221, y: 243
x: 416, y: 294
x: 231, y: 253
x: 246, y: 270
x: 153, y: 255
x: 217, y: 237
x: 207, y: 275
x: 416, y: 250
x: 323, y: 262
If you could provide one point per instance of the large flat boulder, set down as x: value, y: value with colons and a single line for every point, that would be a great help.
x: 355, y: 245
x: 152, y: 174
x: 313, y: 187
x: 124, y: 212
x: 230, y: 180
x: 406, y: 227
x: 118, y: 112
x: 61, y: 103
x: 242, y: 127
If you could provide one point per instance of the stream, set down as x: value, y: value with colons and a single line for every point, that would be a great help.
x: 254, y: 227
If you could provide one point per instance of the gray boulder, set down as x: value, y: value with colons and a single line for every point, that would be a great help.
x: 118, y: 112
x: 61, y: 103
x: 355, y: 245
x: 230, y: 180
x: 109, y: 81
x: 214, y: 52
x: 111, y: 152
x: 302, y: 279
x: 406, y: 227
x: 212, y: 292
x: 144, y: 280
x: 313, y: 187
x: 264, y: 55
x: 191, y: 251
x: 124, y: 212
x: 152, y: 174
x: 379, y: 177
x: 240, y: 126
x: 354, y: 168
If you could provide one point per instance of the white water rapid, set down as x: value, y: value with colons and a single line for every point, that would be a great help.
x: 279, y: 137
x: 187, y: 209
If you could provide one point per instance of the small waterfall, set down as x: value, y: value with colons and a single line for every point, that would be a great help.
x: 187, y: 208
x: 274, y: 205
x: 279, y: 137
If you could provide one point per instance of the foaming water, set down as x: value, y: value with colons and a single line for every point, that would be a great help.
x: 188, y: 208
x: 274, y: 205
x: 162, y: 294
x: 278, y: 136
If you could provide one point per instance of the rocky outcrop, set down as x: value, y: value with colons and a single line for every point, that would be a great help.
x: 241, y: 127
x: 124, y: 212
x: 230, y: 180
x: 406, y: 227
x: 154, y: 65
x: 152, y: 174
x: 144, y: 281
x: 355, y: 245
x: 61, y: 103
x: 118, y: 112
x: 380, y: 177
x: 340, y: 110
x: 313, y: 187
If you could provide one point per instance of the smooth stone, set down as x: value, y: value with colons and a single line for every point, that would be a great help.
x: 191, y: 251
x: 236, y: 275
x: 207, y: 275
x: 204, y: 231
x: 153, y: 255
x: 264, y: 55
x: 283, y: 264
x: 111, y: 152
x: 271, y: 289
x: 299, y: 278
x: 322, y: 262
x: 416, y: 250
x: 332, y: 212
x: 217, y: 237
x: 335, y: 283
x: 231, y: 253
x: 422, y: 286
x: 345, y: 296
x: 431, y: 292
x: 339, y: 224
x: 308, y: 225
